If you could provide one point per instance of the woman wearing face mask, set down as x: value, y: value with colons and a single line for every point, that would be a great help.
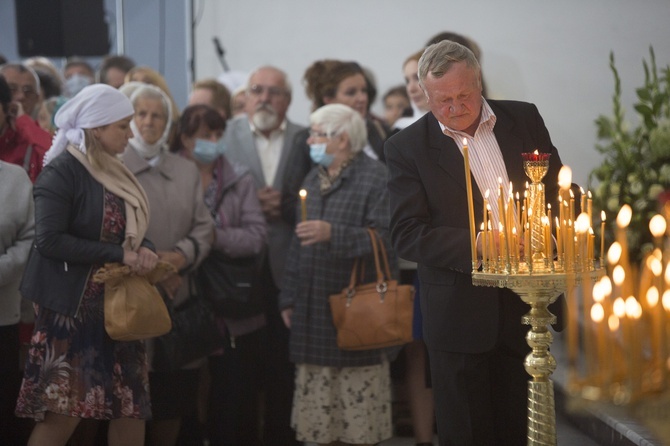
x: 182, y: 230
x: 340, y: 396
x: 332, y: 82
x: 230, y: 195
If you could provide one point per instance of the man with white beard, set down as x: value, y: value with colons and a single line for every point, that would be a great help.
x: 262, y: 140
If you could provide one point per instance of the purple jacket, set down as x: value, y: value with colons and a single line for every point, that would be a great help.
x: 241, y: 229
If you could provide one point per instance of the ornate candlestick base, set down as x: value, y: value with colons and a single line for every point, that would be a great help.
x: 538, y: 291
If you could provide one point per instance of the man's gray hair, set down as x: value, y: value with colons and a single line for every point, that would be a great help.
x: 287, y: 84
x: 335, y: 119
x: 22, y: 68
x: 439, y: 57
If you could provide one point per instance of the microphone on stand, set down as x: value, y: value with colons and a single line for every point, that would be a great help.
x: 220, y: 52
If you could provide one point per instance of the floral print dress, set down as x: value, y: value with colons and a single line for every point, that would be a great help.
x: 74, y: 368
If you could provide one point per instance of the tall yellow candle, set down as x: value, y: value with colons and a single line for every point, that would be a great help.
x: 471, y: 204
x: 303, y: 204
x: 602, y: 238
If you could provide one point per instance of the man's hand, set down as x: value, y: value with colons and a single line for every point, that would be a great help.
x: 270, y: 200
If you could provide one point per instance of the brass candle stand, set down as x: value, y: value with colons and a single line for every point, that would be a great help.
x: 538, y: 280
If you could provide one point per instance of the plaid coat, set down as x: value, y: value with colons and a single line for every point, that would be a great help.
x: 357, y: 200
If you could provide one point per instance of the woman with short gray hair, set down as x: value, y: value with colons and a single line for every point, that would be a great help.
x: 340, y: 395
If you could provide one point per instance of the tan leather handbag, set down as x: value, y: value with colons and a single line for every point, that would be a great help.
x: 373, y: 315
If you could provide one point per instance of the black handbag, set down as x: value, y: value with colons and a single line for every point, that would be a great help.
x: 195, y: 333
x: 232, y: 285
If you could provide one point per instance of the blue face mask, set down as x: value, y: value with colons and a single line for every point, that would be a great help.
x: 207, y: 151
x: 318, y: 154
x: 75, y: 84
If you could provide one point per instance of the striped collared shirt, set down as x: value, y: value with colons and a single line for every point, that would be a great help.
x: 486, y: 160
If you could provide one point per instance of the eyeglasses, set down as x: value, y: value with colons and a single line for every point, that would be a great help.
x: 28, y: 92
x: 259, y: 90
x: 315, y: 134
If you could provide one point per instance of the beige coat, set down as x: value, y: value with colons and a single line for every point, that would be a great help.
x: 178, y: 215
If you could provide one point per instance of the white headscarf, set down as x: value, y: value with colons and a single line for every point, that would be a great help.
x: 94, y: 106
x: 146, y: 150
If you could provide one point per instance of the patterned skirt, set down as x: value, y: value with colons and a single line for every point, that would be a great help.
x: 347, y: 404
x: 74, y: 368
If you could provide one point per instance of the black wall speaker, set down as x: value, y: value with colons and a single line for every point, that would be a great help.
x: 61, y: 28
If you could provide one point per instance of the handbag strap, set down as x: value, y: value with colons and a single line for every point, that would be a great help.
x: 385, y: 257
x: 377, y: 248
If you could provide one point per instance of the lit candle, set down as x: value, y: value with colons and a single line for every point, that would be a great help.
x: 485, y: 229
x: 303, y: 204
x: 471, y: 204
x: 602, y: 238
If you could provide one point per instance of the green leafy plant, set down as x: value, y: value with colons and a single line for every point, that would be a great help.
x: 636, y: 165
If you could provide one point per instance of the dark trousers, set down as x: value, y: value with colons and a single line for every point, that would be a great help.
x: 246, y: 407
x: 481, y: 399
x: 251, y: 393
x: 13, y: 430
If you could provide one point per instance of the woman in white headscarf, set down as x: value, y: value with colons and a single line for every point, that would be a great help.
x: 182, y: 230
x: 89, y: 210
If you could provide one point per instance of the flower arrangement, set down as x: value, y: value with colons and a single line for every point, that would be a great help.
x: 636, y: 168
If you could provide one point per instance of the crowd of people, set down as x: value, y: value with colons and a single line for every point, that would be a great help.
x: 101, y: 166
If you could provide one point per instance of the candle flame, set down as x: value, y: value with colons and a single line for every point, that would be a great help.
x: 486, y: 194
x: 465, y: 142
x: 619, y: 307
x: 597, y: 313
x: 582, y: 223
x: 565, y: 178
x: 603, y: 216
x: 666, y: 300
x: 652, y: 296
x: 614, y: 253
x: 631, y: 307
x: 303, y: 193
x: 656, y: 266
x: 657, y: 225
x: 613, y: 322
x: 598, y: 293
x: 606, y: 285
x: 624, y: 216
x: 618, y: 275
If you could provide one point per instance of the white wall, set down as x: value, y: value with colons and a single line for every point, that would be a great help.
x: 552, y: 53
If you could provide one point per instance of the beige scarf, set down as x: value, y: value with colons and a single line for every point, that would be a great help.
x: 117, y: 179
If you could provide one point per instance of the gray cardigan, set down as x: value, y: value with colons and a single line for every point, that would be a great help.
x: 17, y: 230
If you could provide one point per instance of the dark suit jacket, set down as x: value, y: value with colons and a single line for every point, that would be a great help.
x: 429, y: 225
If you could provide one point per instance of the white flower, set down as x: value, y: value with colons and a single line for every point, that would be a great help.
x: 636, y: 187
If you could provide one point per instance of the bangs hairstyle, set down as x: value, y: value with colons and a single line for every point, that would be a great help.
x: 335, y: 119
x: 192, y: 118
x: 438, y: 58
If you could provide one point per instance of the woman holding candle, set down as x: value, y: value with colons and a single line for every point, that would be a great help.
x: 346, y: 194
x: 240, y: 231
